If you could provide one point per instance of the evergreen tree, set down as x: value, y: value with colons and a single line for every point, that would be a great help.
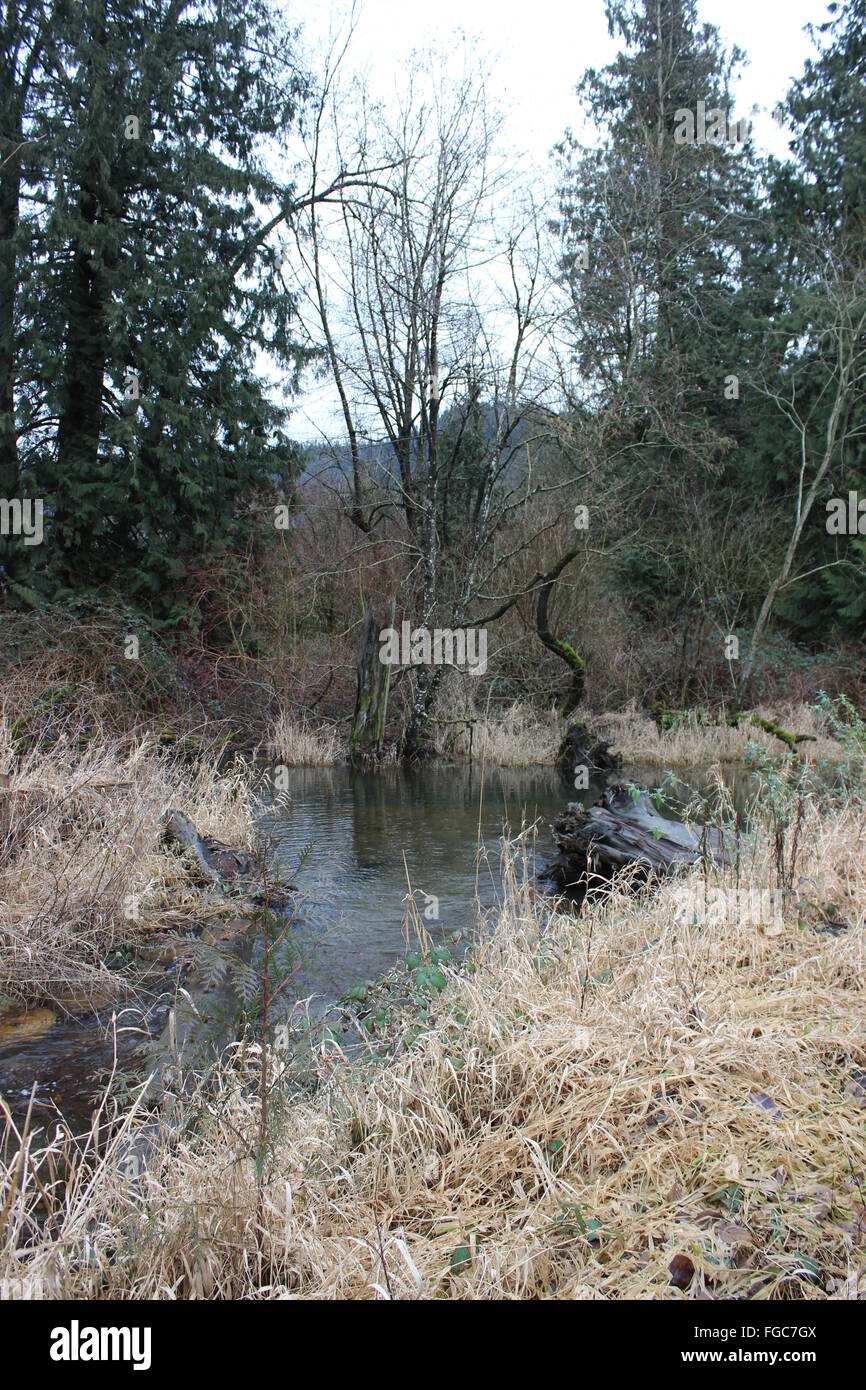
x: 25, y: 28
x: 668, y: 262
x: 819, y: 202
x: 152, y: 292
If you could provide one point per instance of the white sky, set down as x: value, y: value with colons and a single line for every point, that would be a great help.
x: 539, y: 49
x: 542, y: 46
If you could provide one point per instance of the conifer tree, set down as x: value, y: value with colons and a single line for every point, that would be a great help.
x: 152, y: 291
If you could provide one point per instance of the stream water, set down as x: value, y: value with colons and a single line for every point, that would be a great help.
x: 366, y: 833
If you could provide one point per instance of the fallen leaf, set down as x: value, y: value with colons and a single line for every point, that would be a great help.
x: 731, y: 1234
x: 682, y: 1271
x: 766, y: 1103
x: 738, y: 1241
x: 857, y: 1086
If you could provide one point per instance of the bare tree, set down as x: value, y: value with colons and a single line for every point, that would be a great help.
x: 434, y: 318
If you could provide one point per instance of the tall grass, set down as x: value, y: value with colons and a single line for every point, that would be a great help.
x: 295, y: 743
x: 82, y: 865
x: 516, y: 736
x: 699, y: 738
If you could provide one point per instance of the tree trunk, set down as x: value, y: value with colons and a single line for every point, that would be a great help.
x: 84, y: 368
x: 87, y: 334
x: 371, y: 701
x: 10, y: 547
x: 16, y: 75
x: 566, y: 653
x: 414, y: 745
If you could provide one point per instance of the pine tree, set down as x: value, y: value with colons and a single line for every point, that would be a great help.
x: 25, y: 27
x: 819, y: 203
x: 668, y: 261
x: 153, y: 291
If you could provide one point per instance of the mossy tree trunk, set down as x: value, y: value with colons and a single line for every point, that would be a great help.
x: 563, y: 650
x: 371, y: 700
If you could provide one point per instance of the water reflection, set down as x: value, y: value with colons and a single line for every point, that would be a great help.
x: 354, y: 884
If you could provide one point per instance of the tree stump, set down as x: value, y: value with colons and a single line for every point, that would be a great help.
x: 371, y: 701
x: 580, y: 748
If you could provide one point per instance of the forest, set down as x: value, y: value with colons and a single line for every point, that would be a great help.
x: 379, y: 507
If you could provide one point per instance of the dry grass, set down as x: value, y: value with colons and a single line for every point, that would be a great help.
x: 695, y: 741
x: 294, y: 743
x: 522, y: 736
x: 518, y: 736
x: 600, y: 1095
x: 82, y: 868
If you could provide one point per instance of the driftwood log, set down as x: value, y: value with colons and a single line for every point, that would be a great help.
x: 219, y: 863
x: 223, y: 865
x: 623, y: 829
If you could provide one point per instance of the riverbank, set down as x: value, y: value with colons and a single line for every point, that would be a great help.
x: 522, y: 736
x: 87, y: 885
x: 695, y: 738
x: 635, y: 1102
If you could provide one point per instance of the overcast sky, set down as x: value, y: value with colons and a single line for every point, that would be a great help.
x: 542, y: 46
x: 539, y: 48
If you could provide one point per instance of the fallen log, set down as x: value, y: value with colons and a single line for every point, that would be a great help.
x: 218, y: 862
x: 664, y: 717
x: 624, y: 830
x: 224, y: 866
x: 786, y: 735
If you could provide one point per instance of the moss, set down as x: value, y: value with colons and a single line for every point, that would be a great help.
x: 577, y: 664
x: 578, y: 670
x: 784, y: 734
